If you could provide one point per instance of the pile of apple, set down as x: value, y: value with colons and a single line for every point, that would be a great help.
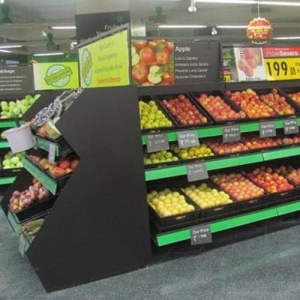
x: 254, y: 142
x: 12, y: 161
x: 270, y: 180
x: 288, y: 140
x: 151, y: 116
x: 278, y: 103
x: 16, y: 109
x: 291, y: 173
x: 57, y: 169
x: 169, y: 203
x: 152, y: 62
x: 184, y: 111
x: 238, y: 186
x: 228, y: 148
x: 295, y: 97
x: 159, y: 157
x: 251, y: 104
x: 35, y: 193
x: 192, y: 152
x: 206, y: 197
x: 219, y: 109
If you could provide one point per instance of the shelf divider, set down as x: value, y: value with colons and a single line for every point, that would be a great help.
x: 216, y: 130
x: 48, y: 182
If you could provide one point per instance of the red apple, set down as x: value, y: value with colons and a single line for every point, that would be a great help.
x: 163, y: 57
x: 140, y: 73
x: 147, y: 56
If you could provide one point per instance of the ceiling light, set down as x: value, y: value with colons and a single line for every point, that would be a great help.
x: 10, y: 46
x: 214, y: 31
x: 192, y: 7
x: 48, y: 54
x: 281, y: 3
x: 232, y: 26
x: 182, y: 26
x: 63, y: 27
x: 6, y: 51
x: 229, y: 1
x: 287, y: 38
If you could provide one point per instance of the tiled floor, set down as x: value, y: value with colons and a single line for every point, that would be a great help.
x: 260, y: 261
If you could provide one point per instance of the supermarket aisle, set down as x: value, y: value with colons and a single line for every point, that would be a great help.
x: 265, y: 266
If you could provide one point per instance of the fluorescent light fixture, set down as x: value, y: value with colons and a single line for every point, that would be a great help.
x: 280, y: 3
x: 228, y: 1
x: 182, y: 26
x: 48, y: 54
x: 232, y: 26
x: 5, y: 51
x: 10, y: 46
x: 64, y: 27
x: 287, y: 38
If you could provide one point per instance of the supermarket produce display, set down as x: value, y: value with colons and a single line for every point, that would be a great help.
x: 236, y: 194
x: 53, y: 207
x: 116, y: 167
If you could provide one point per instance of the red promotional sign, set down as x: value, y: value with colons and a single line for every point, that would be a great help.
x: 259, y: 30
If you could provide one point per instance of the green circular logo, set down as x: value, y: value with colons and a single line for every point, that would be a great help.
x: 86, y: 69
x: 58, y: 75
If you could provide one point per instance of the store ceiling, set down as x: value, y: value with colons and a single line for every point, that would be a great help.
x: 32, y: 18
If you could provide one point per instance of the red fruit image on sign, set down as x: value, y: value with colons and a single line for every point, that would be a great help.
x: 140, y: 73
x: 153, y: 62
x: 147, y: 56
x: 250, y: 59
x: 162, y: 57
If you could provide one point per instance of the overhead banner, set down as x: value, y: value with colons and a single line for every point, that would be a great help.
x: 105, y: 62
x: 91, y: 25
x: 165, y: 62
x: 16, y: 80
x: 55, y: 76
x: 282, y: 63
x: 267, y: 63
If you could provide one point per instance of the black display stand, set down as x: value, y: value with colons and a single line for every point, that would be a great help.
x: 98, y: 226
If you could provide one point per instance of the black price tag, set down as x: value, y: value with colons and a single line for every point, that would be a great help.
x: 291, y: 126
x: 157, y: 142
x: 231, y: 134
x: 51, y: 154
x: 196, y: 172
x: 200, y: 235
x: 267, y: 129
x: 188, y: 138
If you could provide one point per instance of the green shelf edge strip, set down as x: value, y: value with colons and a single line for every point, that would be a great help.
x: 229, y: 223
x: 234, y: 161
x: 45, y: 145
x: 7, y: 180
x: 281, y: 153
x: 4, y: 145
x: 217, y: 130
x: 12, y: 222
x: 49, y: 183
x: 15, y: 226
x: 174, y: 171
x: 288, y: 208
x: 8, y: 124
